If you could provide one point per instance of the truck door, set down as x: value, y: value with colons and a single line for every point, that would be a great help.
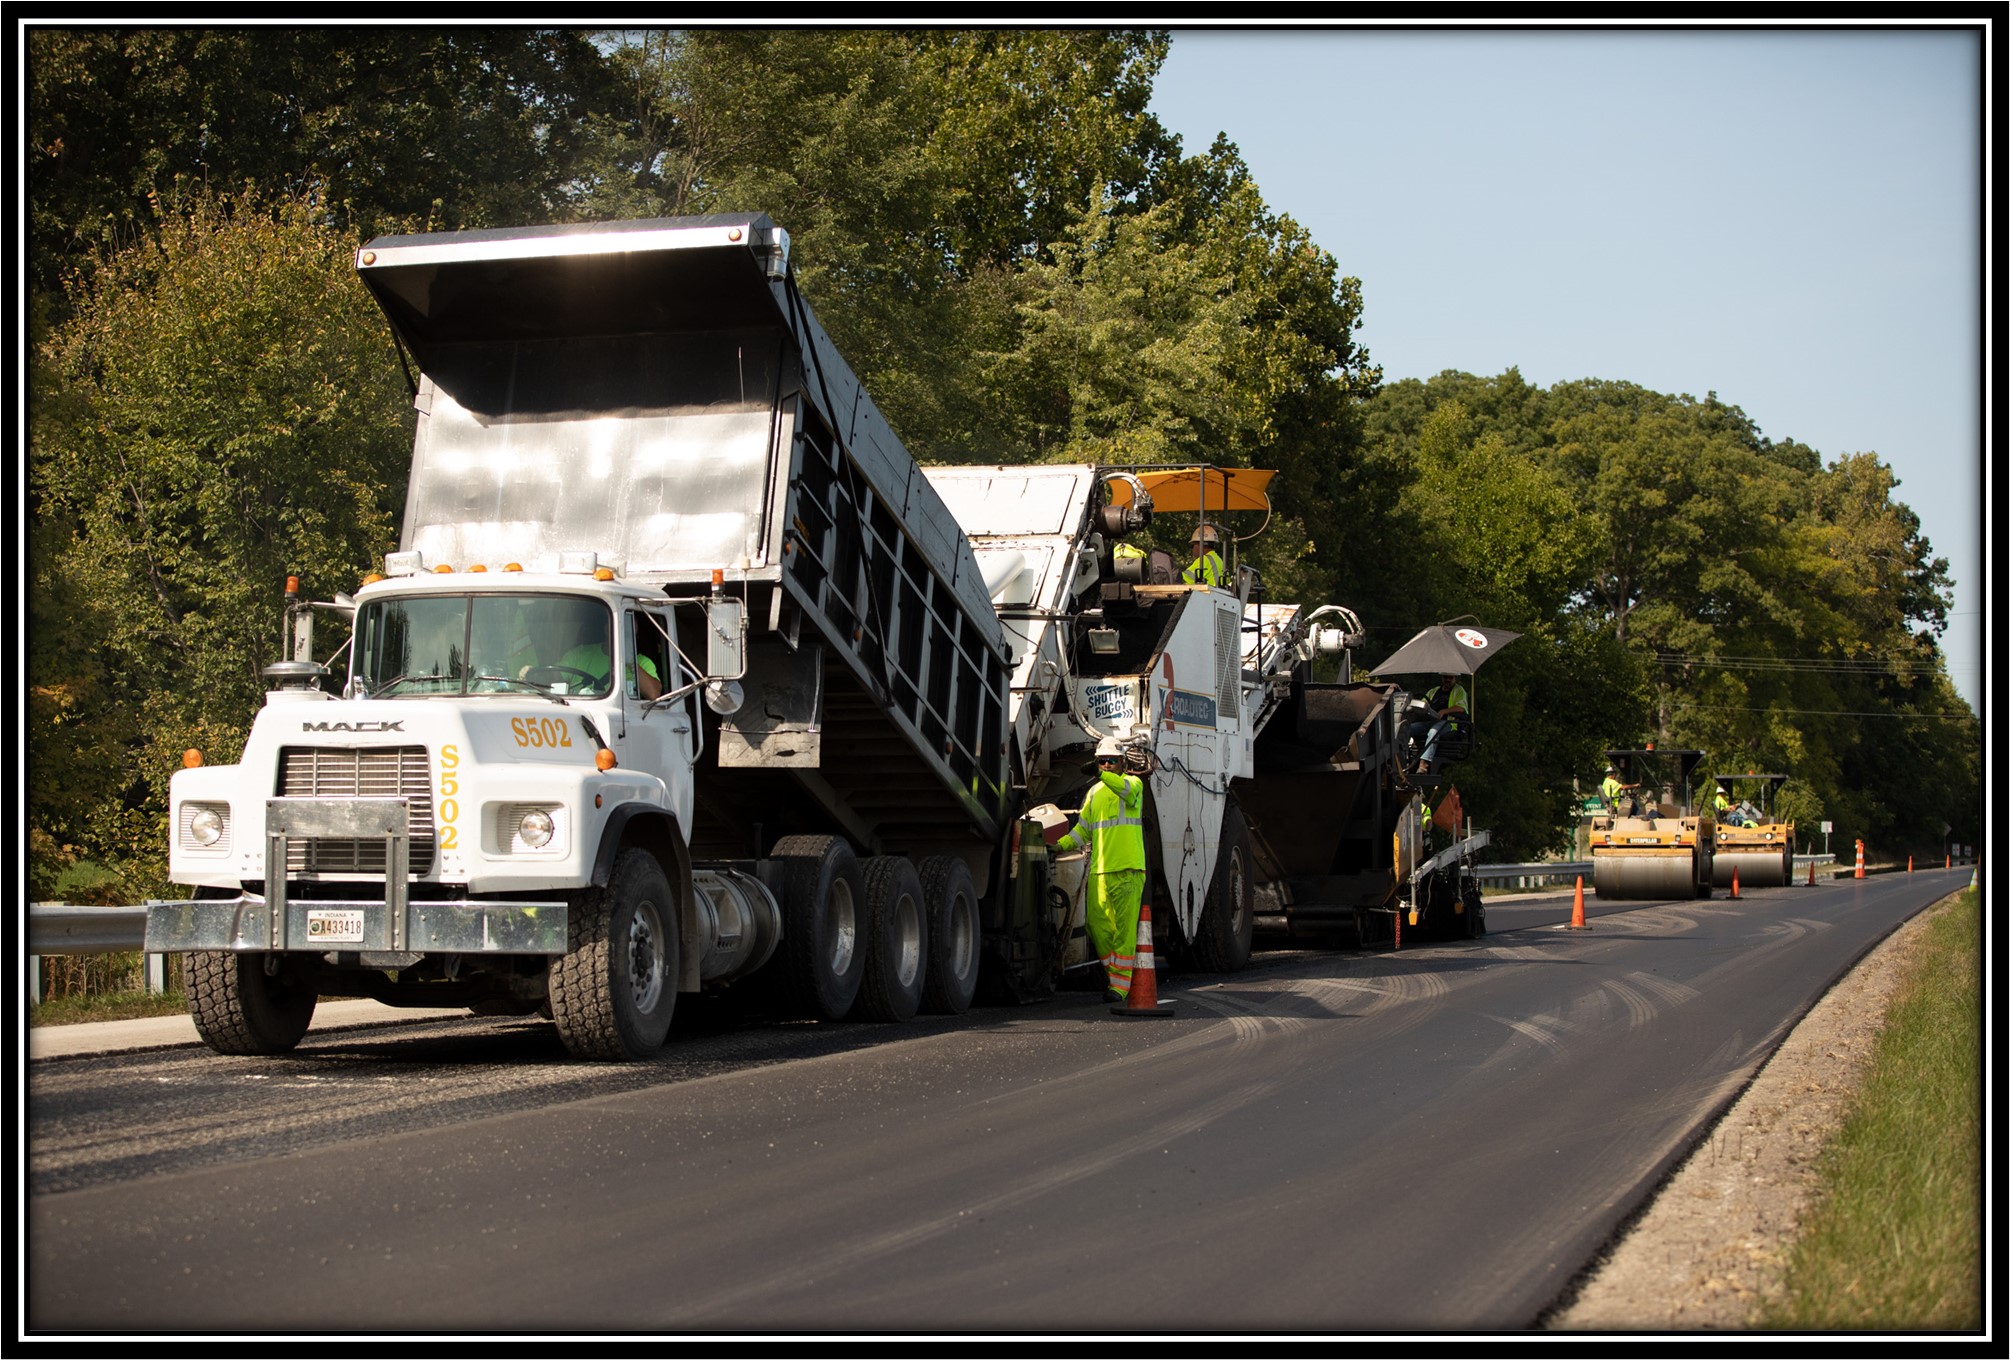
x: 658, y: 738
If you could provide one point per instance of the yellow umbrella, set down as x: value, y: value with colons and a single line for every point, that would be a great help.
x: 1196, y: 490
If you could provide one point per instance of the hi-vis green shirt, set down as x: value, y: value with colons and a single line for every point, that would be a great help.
x: 1112, y: 824
x: 1207, y: 570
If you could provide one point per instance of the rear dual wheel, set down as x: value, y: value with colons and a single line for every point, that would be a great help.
x: 823, y: 951
x: 896, y: 940
x: 955, y: 935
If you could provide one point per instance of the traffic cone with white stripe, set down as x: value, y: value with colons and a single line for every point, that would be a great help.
x: 1142, y: 1001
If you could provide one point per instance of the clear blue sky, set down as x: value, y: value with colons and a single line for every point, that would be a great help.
x: 1791, y: 219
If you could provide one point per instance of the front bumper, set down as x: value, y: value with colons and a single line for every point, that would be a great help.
x: 252, y: 923
x: 394, y: 925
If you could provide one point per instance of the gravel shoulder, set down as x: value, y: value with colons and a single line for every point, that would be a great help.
x: 1710, y: 1247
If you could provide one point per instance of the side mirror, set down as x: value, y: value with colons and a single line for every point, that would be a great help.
x: 725, y: 638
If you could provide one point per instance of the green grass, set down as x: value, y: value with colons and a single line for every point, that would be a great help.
x: 78, y: 988
x: 81, y: 1010
x: 1893, y: 1242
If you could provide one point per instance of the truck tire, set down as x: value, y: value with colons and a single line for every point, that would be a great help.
x: 1227, y: 929
x: 822, y: 957
x: 613, y: 990
x: 896, y: 954
x: 241, y: 1009
x: 955, y: 935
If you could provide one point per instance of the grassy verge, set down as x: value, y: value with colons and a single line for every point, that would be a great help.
x: 77, y: 988
x: 1893, y: 1242
x: 81, y: 1010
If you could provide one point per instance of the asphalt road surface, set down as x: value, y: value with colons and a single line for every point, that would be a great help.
x: 1433, y: 1139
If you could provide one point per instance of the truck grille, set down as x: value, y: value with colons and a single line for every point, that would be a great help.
x: 332, y: 772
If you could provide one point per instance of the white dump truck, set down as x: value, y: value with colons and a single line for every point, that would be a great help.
x: 686, y: 673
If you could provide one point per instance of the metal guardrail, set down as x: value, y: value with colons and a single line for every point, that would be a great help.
x: 1532, y: 873
x: 60, y: 928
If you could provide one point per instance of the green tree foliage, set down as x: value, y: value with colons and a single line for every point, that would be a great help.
x: 387, y: 127
x: 224, y: 412
x: 1779, y: 614
x: 915, y: 170
x: 1494, y: 536
x: 1011, y: 251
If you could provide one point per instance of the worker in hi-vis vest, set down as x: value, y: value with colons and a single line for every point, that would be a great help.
x: 1207, y: 568
x: 1112, y: 826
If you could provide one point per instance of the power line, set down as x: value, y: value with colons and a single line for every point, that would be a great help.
x: 1829, y: 712
x: 1806, y: 665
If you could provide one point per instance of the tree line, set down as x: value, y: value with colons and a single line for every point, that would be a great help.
x: 1021, y: 263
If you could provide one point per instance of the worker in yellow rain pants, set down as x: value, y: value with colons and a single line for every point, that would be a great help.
x: 1112, y: 826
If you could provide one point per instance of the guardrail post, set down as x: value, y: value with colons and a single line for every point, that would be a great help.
x: 156, y: 973
x: 34, y: 979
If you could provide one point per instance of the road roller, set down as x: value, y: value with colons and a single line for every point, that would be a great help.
x: 1652, y: 846
x: 1751, y: 841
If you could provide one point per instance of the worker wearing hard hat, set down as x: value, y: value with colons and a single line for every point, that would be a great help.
x: 1112, y: 826
x: 1614, y: 791
x: 1207, y: 568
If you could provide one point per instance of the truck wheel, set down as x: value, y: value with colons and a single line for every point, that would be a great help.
x: 955, y: 935
x: 240, y: 1008
x: 822, y: 958
x: 896, y: 954
x: 1228, y: 917
x: 613, y: 990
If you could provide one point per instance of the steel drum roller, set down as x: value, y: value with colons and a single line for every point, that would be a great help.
x: 1640, y: 874
x: 1756, y: 867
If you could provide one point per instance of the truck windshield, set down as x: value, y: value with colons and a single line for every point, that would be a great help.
x: 423, y: 645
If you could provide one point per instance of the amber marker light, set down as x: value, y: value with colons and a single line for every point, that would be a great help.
x: 191, y: 758
x: 372, y: 578
x: 443, y: 569
x: 603, y: 573
x: 603, y: 760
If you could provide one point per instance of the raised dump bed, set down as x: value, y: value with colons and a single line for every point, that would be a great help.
x: 659, y: 393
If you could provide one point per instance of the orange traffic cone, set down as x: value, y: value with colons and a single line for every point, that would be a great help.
x: 1143, y: 1002
x: 1577, y: 907
x: 1908, y: 864
x: 1734, y: 883
x: 1811, y: 873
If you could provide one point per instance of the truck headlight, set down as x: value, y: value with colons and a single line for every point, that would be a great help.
x: 535, y: 828
x: 203, y: 825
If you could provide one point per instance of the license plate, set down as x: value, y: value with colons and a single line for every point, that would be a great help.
x: 1643, y: 840
x: 335, y: 927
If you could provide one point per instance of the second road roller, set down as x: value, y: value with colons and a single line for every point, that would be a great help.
x: 1751, y: 840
